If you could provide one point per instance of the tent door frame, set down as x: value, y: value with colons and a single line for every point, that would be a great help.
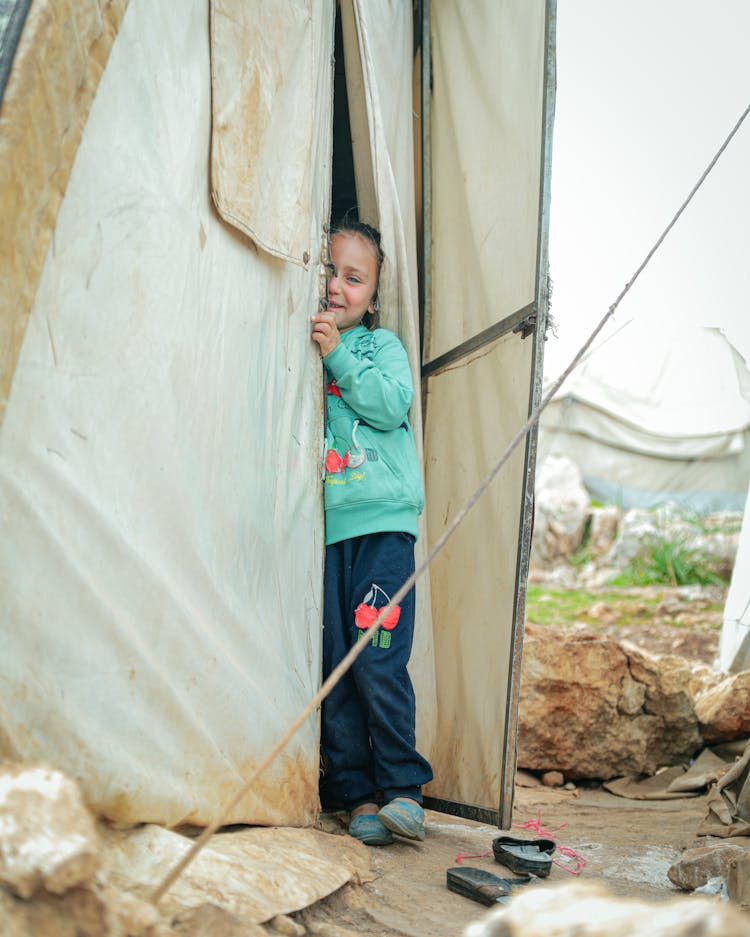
x: 531, y: 320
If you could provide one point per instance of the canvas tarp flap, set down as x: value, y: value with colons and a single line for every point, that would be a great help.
x: 473, y: 578
x: 160, y: 463
x: 12, y: 16
x: 55, y: 72
x: 487, y: 136
x: 487, y: 78
x: 265, y: 110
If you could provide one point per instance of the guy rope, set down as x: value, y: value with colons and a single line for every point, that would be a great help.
x: 357, y: 649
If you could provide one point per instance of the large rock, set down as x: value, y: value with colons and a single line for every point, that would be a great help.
x: 593, y: 708
x: 713, y: 541
x: 605, y: 522
x: 48, y: 839
x: 637, y: 527
x: 575, y: 909
x: 92, y: 911
x: 696, y: 866
x: 79, y: 911
x: 51, y: 864
x: 723, y: 710
x: 718, y: 550
x: 561, y: 506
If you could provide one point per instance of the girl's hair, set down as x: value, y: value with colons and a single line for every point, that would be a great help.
x: 371, y: 236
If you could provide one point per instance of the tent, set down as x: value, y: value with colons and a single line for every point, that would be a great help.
x: 734, y: 641
x: 656, y: 414
x: 660, y: 414
x: 167, y: 175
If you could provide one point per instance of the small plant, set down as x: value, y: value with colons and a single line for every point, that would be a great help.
x: 669, y: 562
x: 581, y: 556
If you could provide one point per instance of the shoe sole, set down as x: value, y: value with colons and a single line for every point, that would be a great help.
x: 394, y: 819
x: 374, y: 837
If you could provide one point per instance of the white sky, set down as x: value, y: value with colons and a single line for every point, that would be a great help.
x: 647, y: 90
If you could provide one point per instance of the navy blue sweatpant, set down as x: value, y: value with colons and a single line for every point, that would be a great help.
x: 368, y: 719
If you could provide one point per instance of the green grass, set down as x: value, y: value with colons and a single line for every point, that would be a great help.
x: 564, y: 607
x: 669, y: 562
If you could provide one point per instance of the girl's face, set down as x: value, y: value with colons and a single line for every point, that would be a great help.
x: 353, y: 285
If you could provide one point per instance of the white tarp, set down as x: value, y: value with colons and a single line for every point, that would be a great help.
x: 160, y: 456
x: 487, y: 141
x: 160, y: 453
x: 656, y: 413
x: 159, y: 462
x: 265, y: 156
x: 734, y: 641
x: 378, y: 50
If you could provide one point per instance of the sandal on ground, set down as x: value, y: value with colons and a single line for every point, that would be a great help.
x: 481, y: 885
x: 404, y: 818
x: 368, y: 829
x: 524, y: 855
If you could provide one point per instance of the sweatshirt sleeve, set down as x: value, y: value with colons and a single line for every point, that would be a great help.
x: 380, y: 390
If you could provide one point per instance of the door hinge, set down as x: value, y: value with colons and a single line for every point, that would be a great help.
x: 526, y: 326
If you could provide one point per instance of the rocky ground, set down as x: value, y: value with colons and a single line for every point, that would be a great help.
x: 627, y: 845
x: 685, y: 621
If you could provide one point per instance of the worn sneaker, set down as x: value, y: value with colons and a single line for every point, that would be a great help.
x: 368, y: 829
x: 403, y: 817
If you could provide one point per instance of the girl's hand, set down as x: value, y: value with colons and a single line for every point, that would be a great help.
x: 325, y: 333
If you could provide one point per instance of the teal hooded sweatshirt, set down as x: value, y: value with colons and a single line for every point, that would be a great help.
x: 373, y: 482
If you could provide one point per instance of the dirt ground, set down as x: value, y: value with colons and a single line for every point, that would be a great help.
x: 628, y: 845
x: 661, y: 619
x: 688, y: 629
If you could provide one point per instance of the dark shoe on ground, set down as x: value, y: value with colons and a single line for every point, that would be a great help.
x: 368, y: 829
x: 403, y: 817
x: 524, y: 855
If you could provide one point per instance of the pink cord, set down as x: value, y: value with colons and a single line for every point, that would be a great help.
x: 536, y: 827
x: 461, y: 856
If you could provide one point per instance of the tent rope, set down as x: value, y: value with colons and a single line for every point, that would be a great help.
x: 359, y: 647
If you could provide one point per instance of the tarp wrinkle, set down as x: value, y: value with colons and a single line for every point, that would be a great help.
x: 263, y: 62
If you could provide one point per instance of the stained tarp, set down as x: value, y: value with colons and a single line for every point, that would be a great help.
x: 487, y: 143
x: 160, y: 456
x: 378, y: 48
x: 160, y: 453
x: 12, y: 17
x: 158, y: 464
x: 57, y: 64
x: 729, y: 802
x: 265, y: 119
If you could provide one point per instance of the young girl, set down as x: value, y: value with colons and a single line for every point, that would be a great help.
x: 373, y: 496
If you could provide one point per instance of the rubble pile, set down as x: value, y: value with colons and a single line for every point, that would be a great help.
x: 50, y: 864
x: 565, y: 522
